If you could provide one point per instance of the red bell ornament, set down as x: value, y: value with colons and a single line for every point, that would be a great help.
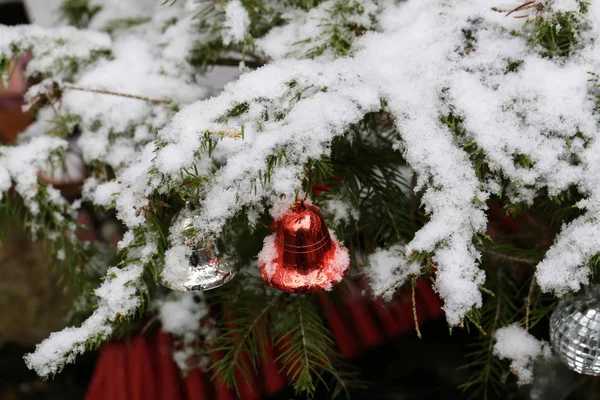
x: 302, y: 255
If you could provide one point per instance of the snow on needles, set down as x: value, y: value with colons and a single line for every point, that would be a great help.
x: 118, y: 297
x: 514, y: 104
x: 552, y: 96
x: 338, y: 93
x: 388, y: 269
x: 522, y: 349
x: 182, y: 315
x: 53, y: 51
x: 236, y: 22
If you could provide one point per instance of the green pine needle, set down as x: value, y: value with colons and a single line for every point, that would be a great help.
x: 241, y: 346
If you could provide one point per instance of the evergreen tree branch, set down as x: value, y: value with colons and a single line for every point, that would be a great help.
x: 120, y: 297
x: 487, y: 371
x: 305, y: 364
x: 307, y: 348
x: 528, y: 303
x: 511, y: 253
x: 245, y: 336
x: 112, y: 93
x: 414, y: 308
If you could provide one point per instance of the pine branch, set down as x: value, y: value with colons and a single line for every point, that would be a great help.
x: 305, y: 362
x: 414, y: 308
x: 62, y: 347
x: 511, y: 253
x: 56, y: 53
x: 528, y: 303
x: 558, y: 36
x: 339, y: 30
x: 78, y: 12
x: 112, y: 93
x: 537, y: 306
x: 307, y: 353
x: 497, y: 311
x: 371, y: 182
x: 245, y: 337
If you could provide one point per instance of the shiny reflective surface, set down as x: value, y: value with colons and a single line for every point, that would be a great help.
x: 306, y: 261
x: 575, y: 332
x: 206, y: 270
x: 304, y: 238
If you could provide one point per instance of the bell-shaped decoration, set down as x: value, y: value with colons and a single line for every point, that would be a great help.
x: 196, y: 267
x: 575, y: 332
x: 302, y: 255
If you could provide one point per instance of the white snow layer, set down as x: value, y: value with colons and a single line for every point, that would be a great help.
x: 388, y: 270
x: 118, y: 297
x: 416, y: 62
x: 522, y: 349
x: 236, y: 22
x: 182, y: 315
x: 52, y: 49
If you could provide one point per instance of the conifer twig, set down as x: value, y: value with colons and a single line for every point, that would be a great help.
x: 149, y: 324
x: 528, y: 306
x: 505, y: 256
x: 496, y: 317
x: 255, y: 321
x: 109, y: 92
x: 524, y: 6
x: 490, y: 349
x: 303, y: 334
x: 414, y: 308
x: 392, y: 219
x: 392, y: 286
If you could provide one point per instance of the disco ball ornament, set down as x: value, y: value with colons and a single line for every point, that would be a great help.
x: 302, y: 256
x: 206, y: 268
x: 575, y: 332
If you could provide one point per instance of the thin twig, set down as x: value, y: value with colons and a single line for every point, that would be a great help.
x: 524, y: 6
x: 109, y: 92
x: 393, y: 286
x: 487, y: 368
x: 506, y: 257
x: 392, y: 219
x: 496, y: 317
x: 306, y: 361
x: 341, y: 381
x: 248, y: 331
x: 150, y: 322
x: 414, y: 307
x: 528, y: 307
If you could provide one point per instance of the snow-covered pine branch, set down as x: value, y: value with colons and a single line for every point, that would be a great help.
x: 182, y: 315
x: 522, y: 349
x: 56, y: 52
x: 119, y: 297
x: 532, y: 117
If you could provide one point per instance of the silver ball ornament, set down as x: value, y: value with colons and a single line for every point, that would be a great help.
x: 206, y: 268
x: 575, y: 332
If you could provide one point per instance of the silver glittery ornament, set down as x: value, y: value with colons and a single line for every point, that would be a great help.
x: 206, y: 269
x: 575, y: 332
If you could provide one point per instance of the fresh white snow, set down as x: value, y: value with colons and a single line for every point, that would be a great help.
x: 415, y: 62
